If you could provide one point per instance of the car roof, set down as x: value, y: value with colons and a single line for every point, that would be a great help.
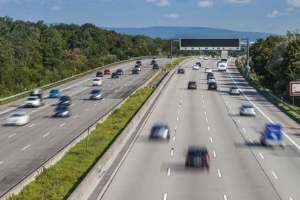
x: 247, y: 106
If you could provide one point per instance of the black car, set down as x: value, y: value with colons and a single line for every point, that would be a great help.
x: 160, y: 131
x: 153, y: 61
x: 212, y: 86
x: 62, y: 111
x: 114, y: 75
x: 180, y: 71
x: 64, y: 100
x: 209, y: 75
x: 192, y: 85
x: 198, y: 63
x: 135, y: 71
x: 120, y: 72
x: 155, y: 66
x: 99, y: 74
x: 197, y: 156
x: 96, y: 94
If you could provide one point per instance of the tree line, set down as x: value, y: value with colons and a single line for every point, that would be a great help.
x: 36, y: 54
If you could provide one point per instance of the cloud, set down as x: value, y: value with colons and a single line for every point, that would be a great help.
x: 274, y: 13
x: 172, y: 16
x: 160, y: 3
x: 55, y: 8
x: 293, y: 3
x: 238, y: 1
x: 204, y: 4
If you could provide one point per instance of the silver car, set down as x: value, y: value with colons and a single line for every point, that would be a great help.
x: 234, y: 90
x: 247, y: 109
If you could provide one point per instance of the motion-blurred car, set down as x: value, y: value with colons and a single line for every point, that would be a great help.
x: 192, y: 85
x: 198, y: 63
x: 210, y: 75
x: 234, y: 90
x: 197, y: 156
x: 153, y: 61
x: 160, y: 131
x: 97, y: 81
x: 62, y: 111
x: 211, y: 80
x: 180, y: 71
x: 33, y: 101
x: 138, y: 67
x: 208, y: 69
x: 54, y: 93
x: 138, y: 62
x: 135, y: 71
x: 64, y: 100
x: 107, y: 72
x: 212, y: 86
x: 155, y: 66
x: 247, y: 109
x: 99, y: 74
x: 96, y: 94
x: 115, y: 75
x: 18, y: 119
x: 120, y: 72
x: 196, y: 67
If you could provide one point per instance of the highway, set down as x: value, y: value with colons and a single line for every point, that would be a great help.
x: 241, y: 168
x: 25, y: 148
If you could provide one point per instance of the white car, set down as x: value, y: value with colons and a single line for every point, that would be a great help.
x: 234, y: 90
x: 196, y: 67
x: 208, y: 69
x: 247, y: 109
x: 18, y: 118
x: 211, y: 80
x: 97, y: 81
x: 33, y: 101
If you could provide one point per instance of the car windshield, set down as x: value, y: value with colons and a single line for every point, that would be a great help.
x: 247, y: 106
x: 17, y: 115
x: 95, y: 91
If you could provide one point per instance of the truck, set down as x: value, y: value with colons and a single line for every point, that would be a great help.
x: 35, y: 98
x: 272, y: 135
x: 224, y: 56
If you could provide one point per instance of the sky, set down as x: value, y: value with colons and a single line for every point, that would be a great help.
x: 267, y: 16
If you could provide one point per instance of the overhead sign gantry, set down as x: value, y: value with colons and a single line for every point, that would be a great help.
x: 210, y: 44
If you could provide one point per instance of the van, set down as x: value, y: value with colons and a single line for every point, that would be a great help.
x: 222, y: 66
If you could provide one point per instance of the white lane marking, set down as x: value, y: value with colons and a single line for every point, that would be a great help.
x: 46, y: 134
x: 165, y: 196
x: 169, y: 172
x: 26, y: 147
x: 211, y: 140
x: 244, y: 130
x: 32, y: 125
x: 225, y: 197
x: 262, y: 157
x: 172, y: 152
x: 204, y: 112
x: 290, y: 198
x: 177, y: 118
x: 86, y: 110
x: 219, y: 173
x: 251, y: 141
x: 178, y: 112
x: 275, y: 176
x: 208, y: 128
x: 11, y: 135
x: 1, y: 162
x: 215, y: 154
x: 174, y: 138
x: 206, y: 119
x: 238, y: 121
x: 62, y: 124
x: 175, y: 128
x: 75, y: 116
x: 233, y: 113
x: 230, y: 107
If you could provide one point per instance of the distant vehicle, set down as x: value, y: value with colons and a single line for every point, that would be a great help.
x: 234, y: 90
x: 272, y: 135
x: 208, y: 69
x: 115, y: 75
x: 222, y: 66
x: 107, y: 72
x: 197, y: 156
x: 62, y: 111
x: 18, y: 119
x: 198, y: 63
x: 153, y: 61
x: 180, y: 71
x: 120, y: 72
x: 155, y: 66
x: 200, y: 57
x: 196, y: 67
x: 96, y: 94
x: 205, y: 58
x: 169, y: 56
x: 212, y: 86
x: 97, y: 81
x: 138, y: 62
x: 160, y: 131
x: 138, y: 67
x: 64, y: 100
x: 211, y: 80
x: 99, y: 74
x: 209, y: 75
x: 135, y: 71
x: 33, y: 101
x: 247, y: 109
x: 38, y: 92
x: 54, y: 93
x: 192, y: 85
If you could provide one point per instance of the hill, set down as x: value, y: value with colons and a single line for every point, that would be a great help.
x: 169, y: 32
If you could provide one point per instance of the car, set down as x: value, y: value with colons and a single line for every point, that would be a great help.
x: 33, y: 101
x: 62, y: 111
x: 64, y: 100
x: 99, y: 74
x: 107, y: 72
x: 205, y: 58
x: 138, y: 62
x: 54, y: 93
x: 234, y: 90
x: 200, y: 57
x: 212, y: 86
x: 247, y: 109
x: 211, y: 80
x: 160, y: 131
x: 115, y: 75
x: 180, y: 71
x: 97, y: 81
x: 153, y: 61
x: 138, y: 67
x: 18, y: 119
x: 208, y: 69
x: 96, y: 94
x: 135, y: 71
x: 155, y: 66
x: 198, y: 63
x: 210, y: 76
x: 120, y: 72
x: 192, y: 85
x: 197, y: 156
x: 196, y: 67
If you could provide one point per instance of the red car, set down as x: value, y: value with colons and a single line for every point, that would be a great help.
x: 107, y: 72
x: 138, y: 62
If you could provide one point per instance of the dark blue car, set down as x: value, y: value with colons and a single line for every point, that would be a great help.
x: 54, y: 93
